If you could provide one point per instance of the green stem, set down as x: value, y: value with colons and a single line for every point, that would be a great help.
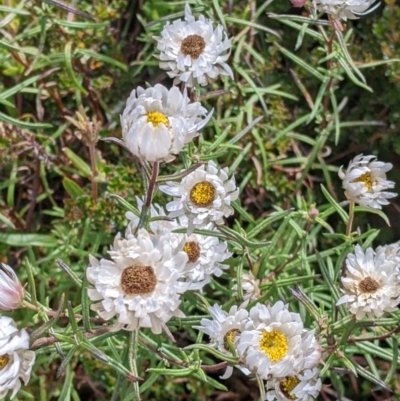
x: 350, y: 220
x: 132, y: 357
x: 144, y: 215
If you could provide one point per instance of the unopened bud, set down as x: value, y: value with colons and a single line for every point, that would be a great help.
x: 298, y: 3
x: 11, y: 291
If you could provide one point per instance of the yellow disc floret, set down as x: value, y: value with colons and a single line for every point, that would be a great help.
x: 274, y: 344
x: 192, y: 249
x: 366, y: 178
x: 288, y: 385
x: 4, y: 359
x: 157, y: 118
x: 203, y: 194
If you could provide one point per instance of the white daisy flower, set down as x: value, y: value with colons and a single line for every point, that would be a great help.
x: 141, y: 284
x: 371, y: 285
x: 392, y: 252
x: 16, y: 360
x: 11, y: 290
x: 275, y: 342
x: 223, y: 330
x: 250, y: 286
x: 203, y: 196
x: 157, y: 122
x: 205, y: 254
x: 365, y: 182
x: 304, y: 386
x: 193, y: 51
x: 344, y: 9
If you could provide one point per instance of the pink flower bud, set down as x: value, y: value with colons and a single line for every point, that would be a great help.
x: 298, y: 3
x: 11, y: 291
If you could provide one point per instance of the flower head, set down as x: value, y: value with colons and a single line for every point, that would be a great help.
x: 157, y: 122
x: 205, y: 257
x: 365, y: 182
x: 250, y: 286
x: 12, y: 292
x: 193, y: 51
x: 203, y: 196
x: 371, y: 285
x: 275, y: 342
x: 142, y: 284
x: 345, y: 8
x: 16, y: 360
x: 304, y: 386
x: 224, y: 328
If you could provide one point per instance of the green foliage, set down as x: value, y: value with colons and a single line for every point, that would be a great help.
x: 305, y: 100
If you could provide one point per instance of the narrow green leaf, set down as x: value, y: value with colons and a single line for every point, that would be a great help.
x: 78, y: 162
x: 380, y: 213
x: 70, y: 69
x: 22, y: 240
x: 72, y: 188
x: 300, y: 62
x: 102, y: 58
x: 23, y: 124
x: 342, y: 213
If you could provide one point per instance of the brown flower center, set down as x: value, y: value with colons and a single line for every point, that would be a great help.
x: 368, y: 285
x: 366, y: 178
x: 4, y: 359
x: 192, y: 249
x: 229, y: 338
x: 203, y: 194
x: 138, y: 280
x: 288, y: 385
x: 193, y: 45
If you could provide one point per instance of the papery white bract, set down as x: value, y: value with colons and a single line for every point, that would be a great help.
x: 344, y: 9
x: 193, y: 51
x: 224, y: 328
x: 371, y: 285
x: 250, y: 286
x: 157, y: 122
x: 141, y: 285
x: 365, y: 182
x: 203, y: 196
x: 275, y: 342
x: 16, y: 360
x: 11, y: 290
x: 304, y: 386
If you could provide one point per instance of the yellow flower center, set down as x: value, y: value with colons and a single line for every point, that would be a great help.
x: 274, y: 344
x: 157, y: 118
x: 288, y: 385
x: 366, y: 179
x: 4, y: 359
x: 193, y: 45
x: 229, y: 338
x: 203, y: 194
x: 193, y: 251
x: 138, y: 280
x: 368, y: 285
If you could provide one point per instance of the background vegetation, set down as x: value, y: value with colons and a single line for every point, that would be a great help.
x: 61, y: 199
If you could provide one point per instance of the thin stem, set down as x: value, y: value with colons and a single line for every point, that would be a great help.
x: 144, y: 215
x: 132, y: 357
x: 95, y: 173
x: 350, y: 220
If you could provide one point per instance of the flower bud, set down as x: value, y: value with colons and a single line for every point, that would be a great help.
x: 298, y: 3
x: 11, y: 291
